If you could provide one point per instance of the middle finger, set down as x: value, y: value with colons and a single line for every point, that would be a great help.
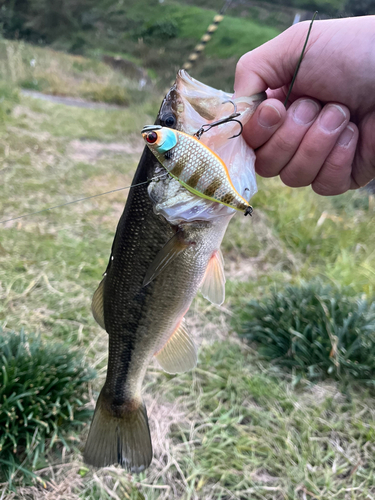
x: 316, y: 146
x: 281, y: 147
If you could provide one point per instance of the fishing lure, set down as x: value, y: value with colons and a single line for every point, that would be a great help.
x: 195, y: 165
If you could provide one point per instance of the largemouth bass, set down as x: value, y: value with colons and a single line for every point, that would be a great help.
x: 166, y: 247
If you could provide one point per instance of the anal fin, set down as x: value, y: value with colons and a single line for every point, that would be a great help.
x: 97, y: 304
x: 179, y: 354
x: 213, y: 285
x: 167, y: 254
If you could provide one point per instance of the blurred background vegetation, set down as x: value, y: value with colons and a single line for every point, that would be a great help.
x: 281, y: 405
x: 157, y: 34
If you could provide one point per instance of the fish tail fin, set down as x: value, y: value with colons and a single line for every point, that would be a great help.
x: 121, y: 436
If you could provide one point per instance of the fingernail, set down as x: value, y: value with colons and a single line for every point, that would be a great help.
x: 305, y: 112
x: 346, y: 136
x: 333, y: 116
x: 269, y: 116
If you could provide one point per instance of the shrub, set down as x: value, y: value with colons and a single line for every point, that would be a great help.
x: 43, y: 388
x: 164, y: 30
x: 318, y: 330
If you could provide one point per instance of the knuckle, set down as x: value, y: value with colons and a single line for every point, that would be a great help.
x: 337, y: 160
x: 309, y: 151
x: 329, y: 188
x: 292, y: 179
x: 333, y: 179
x: 284, y: 143
x: 363, y: 172
x: 295, y: 29
x: 264, y: 169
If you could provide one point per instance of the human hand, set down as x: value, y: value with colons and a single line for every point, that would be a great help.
x: 326, y: 137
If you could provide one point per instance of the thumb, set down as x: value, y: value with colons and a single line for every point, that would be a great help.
x: 271, y: 65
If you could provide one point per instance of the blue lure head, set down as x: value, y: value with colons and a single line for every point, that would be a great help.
x: 161, y: 139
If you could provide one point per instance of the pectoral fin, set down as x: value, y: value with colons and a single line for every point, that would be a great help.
x: 167, y: 254
x: 213, y: 286
x: 97, y: 304
x: 179, y: 354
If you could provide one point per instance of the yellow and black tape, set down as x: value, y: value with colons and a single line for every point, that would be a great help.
x: 198, y: 49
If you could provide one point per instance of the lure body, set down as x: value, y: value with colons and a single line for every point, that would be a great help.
x: 194, y: 165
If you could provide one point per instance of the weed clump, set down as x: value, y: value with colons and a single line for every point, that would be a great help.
x: 43, y: 388
x: 317, y: 330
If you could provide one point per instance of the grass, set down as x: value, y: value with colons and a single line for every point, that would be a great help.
x: 43, y: 391
x: 52, y: 72
x: 250, y: 434
x: 317, y: 331
x: 175, y: 20
x: 301, y: 235
x: 236, y: 427
x: 184, y: 25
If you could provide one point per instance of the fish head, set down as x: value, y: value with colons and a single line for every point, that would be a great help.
x: 158, y: 138
x: 188, y: 105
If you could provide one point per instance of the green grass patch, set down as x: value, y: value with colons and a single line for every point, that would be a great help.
x: 162, y: 23
x: 43, y: 390
x: 183, y: 26
x: 316, y: 330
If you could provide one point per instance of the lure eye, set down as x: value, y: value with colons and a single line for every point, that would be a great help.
x: 169, y: 121
x: 151, y: 137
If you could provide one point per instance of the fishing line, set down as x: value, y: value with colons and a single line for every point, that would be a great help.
x: 300, y: 59
x: 83, y: 199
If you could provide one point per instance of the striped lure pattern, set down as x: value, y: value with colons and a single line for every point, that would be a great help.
x: 194, y: 165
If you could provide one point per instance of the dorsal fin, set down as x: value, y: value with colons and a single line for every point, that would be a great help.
x: 167, y: 254
x: 97, y: 305
x: 179, y: 354
x: 213, y: 285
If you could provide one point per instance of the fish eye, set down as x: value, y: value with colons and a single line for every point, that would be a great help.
x: 169, y: 121
x: 151, y: 137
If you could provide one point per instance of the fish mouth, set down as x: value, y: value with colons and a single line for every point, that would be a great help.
x: 194, y: 103
x: 200, y: 95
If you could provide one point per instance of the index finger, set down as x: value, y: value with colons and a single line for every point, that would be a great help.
x: 268, y: 117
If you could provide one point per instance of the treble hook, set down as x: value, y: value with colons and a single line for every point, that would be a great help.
x: 231, y: 118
